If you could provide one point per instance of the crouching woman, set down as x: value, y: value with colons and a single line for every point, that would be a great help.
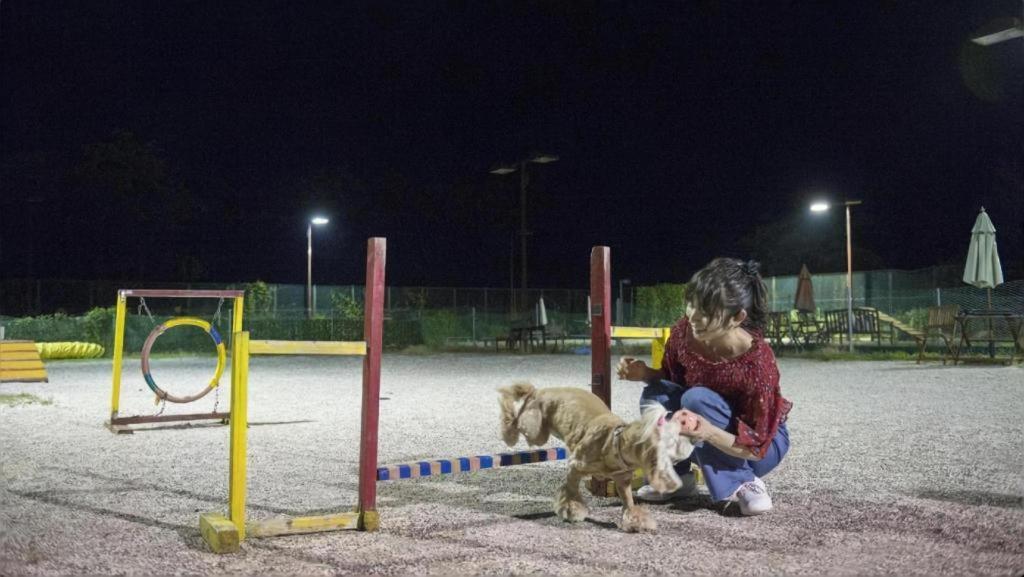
x: 720, y: 381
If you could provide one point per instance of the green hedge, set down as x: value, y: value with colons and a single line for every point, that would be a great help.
x: 97, y: 326
x: 660, y: 305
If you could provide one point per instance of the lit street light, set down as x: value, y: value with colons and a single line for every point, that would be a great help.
x: 1015, y: 31
x: 523, y: 181
x: 823, y: 207
x: 318, y: 221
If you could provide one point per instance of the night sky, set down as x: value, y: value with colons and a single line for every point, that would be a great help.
x: 191, y: 141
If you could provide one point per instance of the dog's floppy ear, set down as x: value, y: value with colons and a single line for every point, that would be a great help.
x: 531, y: 423
x: 676, y: 446
x: 509, y: 432
x: 665, y: 447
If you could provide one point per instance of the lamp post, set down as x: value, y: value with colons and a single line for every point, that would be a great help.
x: 621, y: 304
x: 318, y: 221
x: 822, y: 207
x: 523, y: 182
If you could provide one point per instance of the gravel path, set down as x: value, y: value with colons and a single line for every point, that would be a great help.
x: 895, y: 469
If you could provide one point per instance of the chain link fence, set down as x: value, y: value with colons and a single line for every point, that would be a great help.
x: 435, y: 316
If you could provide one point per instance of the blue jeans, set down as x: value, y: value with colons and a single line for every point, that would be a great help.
x: 723, y: 473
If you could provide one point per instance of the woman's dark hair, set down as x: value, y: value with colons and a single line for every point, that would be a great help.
x: 725, y: 287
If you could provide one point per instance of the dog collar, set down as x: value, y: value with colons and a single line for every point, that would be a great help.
x: 522, y: 407
x: 617, y: 435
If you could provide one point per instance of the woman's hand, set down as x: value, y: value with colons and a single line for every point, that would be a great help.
x: 693, y: 425
x: 630, y: 369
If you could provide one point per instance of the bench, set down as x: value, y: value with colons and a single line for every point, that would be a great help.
x: 941, y: 323
x: 865, y: 322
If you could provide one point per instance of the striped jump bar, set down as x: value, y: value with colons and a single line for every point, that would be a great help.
x: 466, y: 464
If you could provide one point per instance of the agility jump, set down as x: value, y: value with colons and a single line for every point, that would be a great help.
x: 224, y: 533
x: 121, y: 424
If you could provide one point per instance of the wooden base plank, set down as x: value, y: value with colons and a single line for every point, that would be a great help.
x: 299, y: 525
x: 118, y: 429
x: 220, y: 534
x: 142, y: 419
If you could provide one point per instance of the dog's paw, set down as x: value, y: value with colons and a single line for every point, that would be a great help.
x: 571, y: 511
x: 638, y: 520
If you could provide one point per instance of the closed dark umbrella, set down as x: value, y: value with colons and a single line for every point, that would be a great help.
x: 804, y: 301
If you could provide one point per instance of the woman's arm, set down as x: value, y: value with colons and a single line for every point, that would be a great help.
x: 697, y: 428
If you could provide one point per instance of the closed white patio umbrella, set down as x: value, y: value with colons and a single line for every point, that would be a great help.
x: 983, y: 268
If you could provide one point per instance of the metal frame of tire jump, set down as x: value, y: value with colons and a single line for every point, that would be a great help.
x: 224, y: 533
x: 122, y: 424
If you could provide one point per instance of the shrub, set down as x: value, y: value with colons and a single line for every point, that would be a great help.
x: 98, y: 326
x: 660, y: 305
x: 46, y: 328
x: 346, y: 306
x: 438, y: 325
x: 258, y: 298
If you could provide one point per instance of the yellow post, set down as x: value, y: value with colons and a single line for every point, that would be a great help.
x: 658, y: 348
x: 239, y: 424
x: 119, y: 321
x: 236, y: 315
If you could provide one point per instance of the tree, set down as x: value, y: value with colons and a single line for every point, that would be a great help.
x: 152, y: 212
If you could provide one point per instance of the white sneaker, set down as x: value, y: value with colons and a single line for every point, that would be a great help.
x: 752, y: 497
x: 687, y: 489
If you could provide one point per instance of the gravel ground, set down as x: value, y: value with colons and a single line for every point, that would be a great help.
x: 895, y: 469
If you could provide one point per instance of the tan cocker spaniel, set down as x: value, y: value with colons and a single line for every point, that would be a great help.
x: 601, y: 445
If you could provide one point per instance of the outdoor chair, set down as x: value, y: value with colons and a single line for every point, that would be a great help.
x: 780, y: 328
x: 555, y: 332
x: 942, y: 324
x: 809, y: 328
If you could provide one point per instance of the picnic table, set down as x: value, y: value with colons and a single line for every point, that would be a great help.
x: 988, y: 326
x: 525, y: 337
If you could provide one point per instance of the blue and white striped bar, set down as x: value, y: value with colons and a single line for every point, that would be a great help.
x: 467, y: 464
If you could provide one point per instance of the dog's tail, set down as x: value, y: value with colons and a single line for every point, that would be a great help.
x: 511, y: 400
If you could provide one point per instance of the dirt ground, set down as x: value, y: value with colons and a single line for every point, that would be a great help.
x: 895, y: 469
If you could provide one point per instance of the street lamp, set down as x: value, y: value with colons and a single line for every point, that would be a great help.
x: 821, y: 206
x: 1015, y: 31
x: 621, y: 303
x: 318, y: 221
x: 523, y: 181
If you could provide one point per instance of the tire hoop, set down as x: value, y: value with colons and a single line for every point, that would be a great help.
x: 161, y: 329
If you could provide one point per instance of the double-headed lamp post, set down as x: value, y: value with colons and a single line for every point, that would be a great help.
x: 318, y: 221
x: 823, y: 207
x: 523, y: 181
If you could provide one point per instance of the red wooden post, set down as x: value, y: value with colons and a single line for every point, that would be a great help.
x: 373, y: 332
x: 600, y: 338
x: 600, y: 323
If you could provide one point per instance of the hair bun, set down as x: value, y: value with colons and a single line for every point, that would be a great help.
x: 751, y: 268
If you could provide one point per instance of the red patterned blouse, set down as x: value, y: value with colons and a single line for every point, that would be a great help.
x: 749, y: 383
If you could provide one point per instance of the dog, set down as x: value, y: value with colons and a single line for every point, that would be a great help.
x: 601, y: 445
